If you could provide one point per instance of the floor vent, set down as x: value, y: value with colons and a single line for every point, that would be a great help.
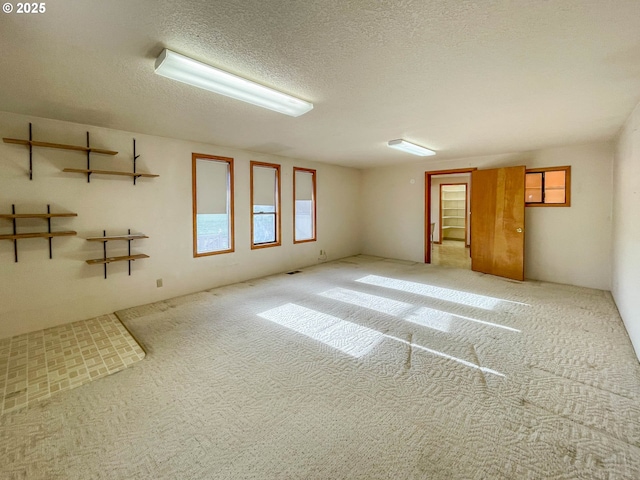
x: 294, y: 272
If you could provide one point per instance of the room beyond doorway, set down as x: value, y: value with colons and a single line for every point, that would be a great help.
x: 447, y: 218
x: 450, y: 247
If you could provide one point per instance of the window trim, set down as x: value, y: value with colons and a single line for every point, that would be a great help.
x: 230, y: 195
x: 314, y: 204
x: 278, y: 221
x: 567, y: 185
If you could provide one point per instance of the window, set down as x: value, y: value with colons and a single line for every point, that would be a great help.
x: 212, y: 183
x: 548, y: 187
x: 265, y: 205
x: 304, y: 205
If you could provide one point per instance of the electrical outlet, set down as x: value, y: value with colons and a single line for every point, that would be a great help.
x: 159, y: 282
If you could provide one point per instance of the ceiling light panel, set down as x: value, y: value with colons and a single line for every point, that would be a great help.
x: 184, y: 69
x: 409, y: 147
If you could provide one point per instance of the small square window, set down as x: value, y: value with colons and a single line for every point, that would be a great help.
x: 548, y: 187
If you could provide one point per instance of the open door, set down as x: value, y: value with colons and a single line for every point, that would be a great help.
x: 497, y: 222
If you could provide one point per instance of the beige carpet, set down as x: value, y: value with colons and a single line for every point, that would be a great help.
x: 359, y: 369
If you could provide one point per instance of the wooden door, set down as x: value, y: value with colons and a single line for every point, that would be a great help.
x: 497, y: 222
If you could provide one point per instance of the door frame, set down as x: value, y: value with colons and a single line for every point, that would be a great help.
x: 427, y: 205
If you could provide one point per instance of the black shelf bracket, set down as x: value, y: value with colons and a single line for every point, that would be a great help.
x: 15, y: 240
x: 30, y: 154
x: 49, y: 230
x: 129, y: 245
x: 88, y: 160
x: 135, y: 158
x: 104, y: 252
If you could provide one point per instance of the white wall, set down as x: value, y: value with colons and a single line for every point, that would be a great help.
x: 37, y: 292
x: 564, y: 245
x: 376, y: 211
x: 626, y: 227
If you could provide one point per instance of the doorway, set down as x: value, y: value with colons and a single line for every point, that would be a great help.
x: 496, y: 235
x: 447, y: 236
x: 451, y: 247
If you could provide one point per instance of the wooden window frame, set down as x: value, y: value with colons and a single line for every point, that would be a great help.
x: 567, y: 186
x: 230, y: 195
x: 313, y: 206
x: 278, y: 222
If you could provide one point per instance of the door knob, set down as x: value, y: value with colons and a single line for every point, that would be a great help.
x: 519, y: 230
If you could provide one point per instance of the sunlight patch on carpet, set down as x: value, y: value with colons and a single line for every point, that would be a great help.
x: 348, y: 337
x: 427, y: 317
x: 441, y: 293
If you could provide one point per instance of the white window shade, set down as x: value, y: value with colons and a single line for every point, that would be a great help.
x: 212, y: 205
x: 304, y: 185
x: 264, y: 186
x: 304, y: 220
x: 212, y: 186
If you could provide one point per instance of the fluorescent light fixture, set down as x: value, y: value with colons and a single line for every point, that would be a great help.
x: 184, y: 69
x: 410, y: 148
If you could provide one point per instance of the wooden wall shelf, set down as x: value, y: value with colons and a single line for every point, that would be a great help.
x: 129, y: 237
x: 135, y: 174
x: 15, y: 236
x: 37, y: 215
x: 77, y: 148
x: 109, y: 172
x: 33, y: 143
x: 134, y: 236
x: 61, y: 146
x: 99, y: 261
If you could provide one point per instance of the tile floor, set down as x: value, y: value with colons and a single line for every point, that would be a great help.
x: 451, y: 253
x: 36, y: 365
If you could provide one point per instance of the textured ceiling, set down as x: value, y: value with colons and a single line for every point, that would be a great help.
x: 460, y: 77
